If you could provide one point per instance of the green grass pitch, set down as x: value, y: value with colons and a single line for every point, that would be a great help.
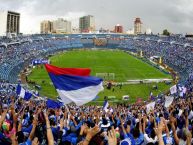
x: 124, y: 66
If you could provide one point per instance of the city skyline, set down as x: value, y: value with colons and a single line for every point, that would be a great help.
x: 174, y: 15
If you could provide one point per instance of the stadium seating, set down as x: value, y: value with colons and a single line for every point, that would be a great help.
x: 45, y: 121
x: 176, y: 50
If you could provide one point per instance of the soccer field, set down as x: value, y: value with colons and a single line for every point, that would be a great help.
x: 122, y: 65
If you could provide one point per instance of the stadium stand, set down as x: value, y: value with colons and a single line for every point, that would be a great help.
x: 35, y: 122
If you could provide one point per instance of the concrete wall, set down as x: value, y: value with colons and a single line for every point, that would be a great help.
x: 3, y: 23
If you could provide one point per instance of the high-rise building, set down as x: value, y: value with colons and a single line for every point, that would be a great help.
x: 46, y: 27
x: 9, y: 23
x: 61, y: 26
x: 118, y: 29
x: 87, y: 24
x: 137, y: 26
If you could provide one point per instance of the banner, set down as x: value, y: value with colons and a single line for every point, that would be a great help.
x: 40, y: 61
x: 168, y: 101
x: 150, y: 106
x: 173, y: 89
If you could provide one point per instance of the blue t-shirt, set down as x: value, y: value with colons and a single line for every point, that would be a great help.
x: 55, y: 131
x: 180, y: 122
x: 28, y: 142
x: 149, y: 128
x: 128, y: 138
x: 140, y: 139
x: 168, y: 140
x: 79, y: 125
x: 27, y: 129
x: 71, y: 138
x: 1, y: 136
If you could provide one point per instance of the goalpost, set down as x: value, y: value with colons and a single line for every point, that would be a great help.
x: 106, y: 76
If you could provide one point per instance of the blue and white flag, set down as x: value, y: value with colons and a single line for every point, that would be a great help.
x: 182, y: 91
x: 151, y: 96
x: 53, y: 104
x: 105, y: 106
x: 168, y: 101
x: 36, y: 94
x: 74, y: 84
x: 150, y: 107
x: 22, y: 93
x: 173, y: 89
x: 27, y: 96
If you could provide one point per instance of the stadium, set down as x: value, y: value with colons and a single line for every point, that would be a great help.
x: 117, y: 59
x: 71, y: 83
x: 95, y: 59
x: 76, y: 48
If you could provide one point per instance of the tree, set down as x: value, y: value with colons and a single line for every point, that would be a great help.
x: 166, y: 32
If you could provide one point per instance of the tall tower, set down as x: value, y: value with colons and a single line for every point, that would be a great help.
x: 118, y: 29
x: 137, y: 26
x: 9, y: 22
x: 87, y: 23
x: 61, y: 26
x: 46, y: 27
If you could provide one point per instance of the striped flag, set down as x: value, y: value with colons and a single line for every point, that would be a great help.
x: 105, y: 106
x: 74, y: 84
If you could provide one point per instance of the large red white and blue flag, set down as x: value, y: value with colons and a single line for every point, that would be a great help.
x: 74, y: 84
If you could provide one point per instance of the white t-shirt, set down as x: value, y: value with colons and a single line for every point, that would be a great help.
x: 148, y: 139
x: 182, y: 142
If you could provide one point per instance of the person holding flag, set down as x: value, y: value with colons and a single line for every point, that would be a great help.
x: 105, y: 106
x: 22, y: 93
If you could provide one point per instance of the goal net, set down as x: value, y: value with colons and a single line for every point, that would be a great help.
x: 106, y: 76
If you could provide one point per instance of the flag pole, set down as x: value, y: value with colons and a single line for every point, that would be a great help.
x: 16, y: 101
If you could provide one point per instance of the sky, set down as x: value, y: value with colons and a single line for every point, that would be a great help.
x: 174, y: 15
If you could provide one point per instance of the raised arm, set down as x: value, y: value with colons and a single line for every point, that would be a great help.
x: 35, y: 122
x: 3, y: 117
x: 122, y: 126
x: 172, y: 120
x: 91, y: 133
x: 186, y: 119
x: 61, y: 130
x: 144, y: 124
x: 49, y: 131
x: 74, y: 121
x: 112, y: 139
x: 159, y: 130
x: 140, y: 124
x: 20, y: 122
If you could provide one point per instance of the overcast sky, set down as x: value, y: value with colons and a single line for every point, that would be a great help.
x: 175, y: 15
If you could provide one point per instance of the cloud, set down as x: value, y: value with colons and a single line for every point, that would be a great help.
x: 176, y: 15
x: 31, y: 24
x: 31, y: 19
x: 179, y: 16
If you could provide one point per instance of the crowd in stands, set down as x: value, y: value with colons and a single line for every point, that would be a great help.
x: 176, y: 51
x: 38, y: 123
x: 15, y: 56
x: 35, y: 122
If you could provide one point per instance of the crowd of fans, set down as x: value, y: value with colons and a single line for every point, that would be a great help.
x: 176, y: 51
x: 15, y: 56
x: 34, y: 122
